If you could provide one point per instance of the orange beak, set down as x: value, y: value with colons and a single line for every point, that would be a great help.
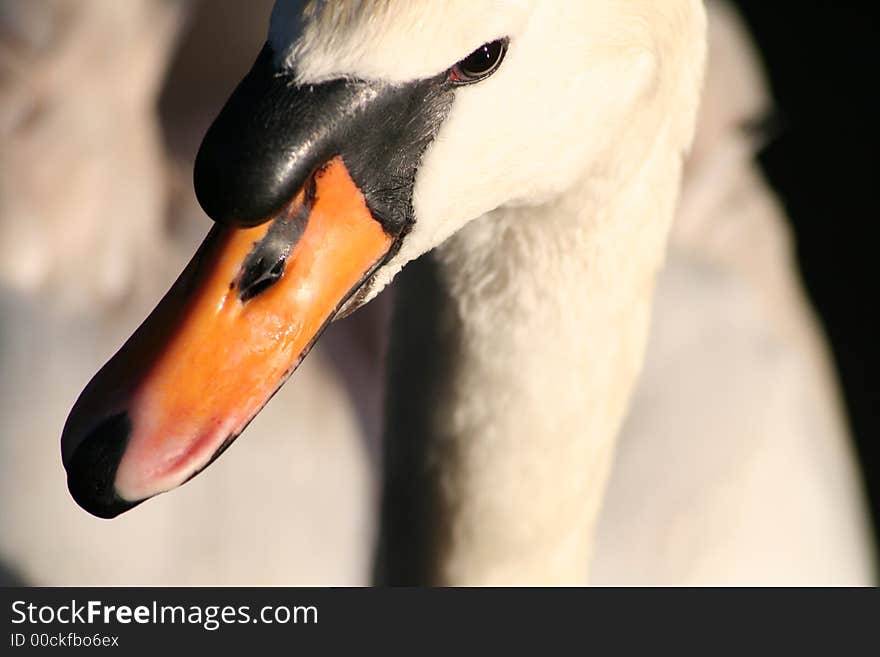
x: 233, y: 327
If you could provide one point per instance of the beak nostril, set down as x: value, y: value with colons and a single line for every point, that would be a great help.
x: 91, y: 470
x: 260, y: 277
x: 265, y: 264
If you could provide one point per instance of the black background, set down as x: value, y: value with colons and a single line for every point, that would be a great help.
x: 822, y: 58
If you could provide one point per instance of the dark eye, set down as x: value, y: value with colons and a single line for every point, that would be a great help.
x: 480, y: 64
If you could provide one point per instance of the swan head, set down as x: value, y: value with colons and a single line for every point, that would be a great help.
x: 366, y: 134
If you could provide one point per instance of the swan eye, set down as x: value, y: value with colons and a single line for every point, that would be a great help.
x: 480, y: 64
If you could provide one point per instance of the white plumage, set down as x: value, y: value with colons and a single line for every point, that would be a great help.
x: 732, y: 467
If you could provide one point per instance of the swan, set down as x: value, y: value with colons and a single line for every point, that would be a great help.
x: 440, y: 558
x: 371, y: 145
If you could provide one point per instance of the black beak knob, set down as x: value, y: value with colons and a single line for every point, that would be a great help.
x: 267, y: 140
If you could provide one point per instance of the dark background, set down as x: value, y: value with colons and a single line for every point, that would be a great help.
x: 821, y: 58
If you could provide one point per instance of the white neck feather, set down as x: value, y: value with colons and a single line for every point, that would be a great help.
x: 515, y: 348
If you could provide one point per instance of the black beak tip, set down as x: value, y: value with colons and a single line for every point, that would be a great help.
x: 91, y: 470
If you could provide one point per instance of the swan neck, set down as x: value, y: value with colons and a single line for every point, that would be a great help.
x: 515, y: 348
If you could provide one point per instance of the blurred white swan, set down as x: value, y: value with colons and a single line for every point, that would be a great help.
x: 67, y: 304
x: 735, y: 465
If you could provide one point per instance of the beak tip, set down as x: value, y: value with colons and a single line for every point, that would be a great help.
x: 91, y: 468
